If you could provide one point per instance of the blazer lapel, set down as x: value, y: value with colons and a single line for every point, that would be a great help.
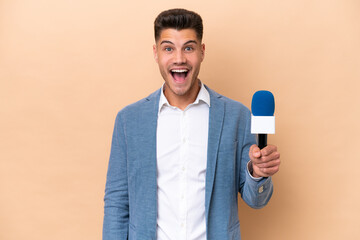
x: 216, y: 118
x: 149, y: 166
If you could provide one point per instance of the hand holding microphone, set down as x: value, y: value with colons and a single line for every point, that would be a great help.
x: 264, y: 162
x: 265, y: 159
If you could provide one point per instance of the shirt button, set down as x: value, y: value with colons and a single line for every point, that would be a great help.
x: 261, y: 189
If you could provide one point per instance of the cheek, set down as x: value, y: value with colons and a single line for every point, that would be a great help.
x: 196, y: 62
x: 163, y: 61
x: 160, y: 62
x: 163, y: 67
x: 196, y: 59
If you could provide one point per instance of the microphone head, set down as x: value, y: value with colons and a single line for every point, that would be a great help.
x: 263, y: 104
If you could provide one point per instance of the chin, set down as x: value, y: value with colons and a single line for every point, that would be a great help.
x: 180, y: 91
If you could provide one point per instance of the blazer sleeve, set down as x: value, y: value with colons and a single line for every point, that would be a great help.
x: 255, y: 193
x: 116, y: 200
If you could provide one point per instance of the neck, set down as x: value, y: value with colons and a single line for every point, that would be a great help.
x: 182, y: 101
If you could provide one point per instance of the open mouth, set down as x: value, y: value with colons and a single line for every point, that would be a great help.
x: 179, y: 75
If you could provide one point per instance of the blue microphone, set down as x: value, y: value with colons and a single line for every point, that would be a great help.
x: 262, y: 116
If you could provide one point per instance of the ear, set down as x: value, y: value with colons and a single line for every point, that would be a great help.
x: 155, y: 53
x: 202, y: 51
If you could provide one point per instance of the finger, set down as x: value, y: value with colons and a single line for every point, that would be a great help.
x: 268, y: 172
x: 255, y: 151
x: 269, y: 149
x: 273, y: 156
x: 270, y: 164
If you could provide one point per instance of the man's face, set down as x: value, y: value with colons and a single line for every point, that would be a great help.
x: 179, y: 55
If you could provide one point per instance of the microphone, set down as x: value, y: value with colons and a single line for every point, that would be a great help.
x: 262, y: 116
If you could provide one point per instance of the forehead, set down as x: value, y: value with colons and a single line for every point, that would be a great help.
x: 173, y: 35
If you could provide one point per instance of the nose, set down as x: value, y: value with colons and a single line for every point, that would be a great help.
x: 179, y: 57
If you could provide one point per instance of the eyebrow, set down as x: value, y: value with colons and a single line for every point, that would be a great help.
x: 167, y: 41
x: 191, y: 41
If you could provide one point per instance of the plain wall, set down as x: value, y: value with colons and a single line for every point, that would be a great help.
x: 67, y: 67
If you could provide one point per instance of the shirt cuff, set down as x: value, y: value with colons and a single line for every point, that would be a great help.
x: 249, y: 169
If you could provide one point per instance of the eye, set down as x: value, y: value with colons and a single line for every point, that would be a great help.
x: 188, y: 49
x: 168, y: 49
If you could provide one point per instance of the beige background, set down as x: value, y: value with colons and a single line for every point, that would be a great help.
x: 67, y: 67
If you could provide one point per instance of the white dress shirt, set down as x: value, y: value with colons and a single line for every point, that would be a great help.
x: 182, y: 139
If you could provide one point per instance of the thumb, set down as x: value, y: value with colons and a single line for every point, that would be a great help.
x: 255, y: 151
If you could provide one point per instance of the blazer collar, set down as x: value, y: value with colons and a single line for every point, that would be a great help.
x: 216, y: 119
x: 149, y: 112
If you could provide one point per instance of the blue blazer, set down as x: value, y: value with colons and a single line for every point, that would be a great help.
x: 130, y: 210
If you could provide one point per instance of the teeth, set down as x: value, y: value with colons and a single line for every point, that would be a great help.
x: 179, y: 70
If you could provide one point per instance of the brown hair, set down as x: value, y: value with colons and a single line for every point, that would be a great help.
x: 178, y: 19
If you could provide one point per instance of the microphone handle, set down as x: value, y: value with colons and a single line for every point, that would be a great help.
x: 262, y: 140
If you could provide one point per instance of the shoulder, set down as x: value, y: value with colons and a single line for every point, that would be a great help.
x: 137, y: 107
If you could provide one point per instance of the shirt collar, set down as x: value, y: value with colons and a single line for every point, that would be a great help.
x: 203, y: 95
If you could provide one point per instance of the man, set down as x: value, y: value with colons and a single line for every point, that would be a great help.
x: 180, y: 156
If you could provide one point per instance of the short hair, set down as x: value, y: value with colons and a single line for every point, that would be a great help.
x: 178, y: 19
